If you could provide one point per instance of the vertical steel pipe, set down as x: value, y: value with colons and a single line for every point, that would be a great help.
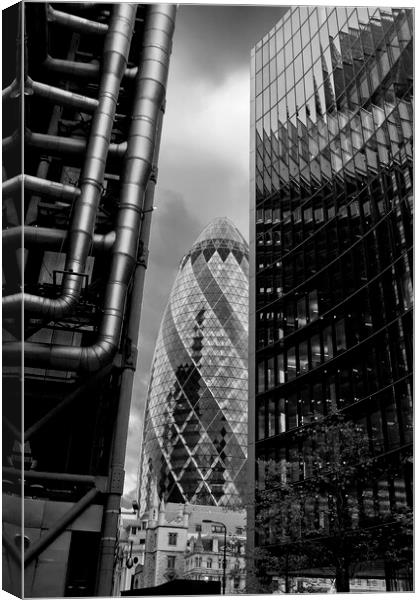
x: 151, y: 89
x: 127, y: 378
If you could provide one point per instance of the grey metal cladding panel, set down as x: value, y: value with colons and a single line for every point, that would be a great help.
x: 89, y: 520
x: 12, y: 511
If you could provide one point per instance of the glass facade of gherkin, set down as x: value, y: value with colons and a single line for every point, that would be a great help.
x: 331, y: 261
x: 195, y: 431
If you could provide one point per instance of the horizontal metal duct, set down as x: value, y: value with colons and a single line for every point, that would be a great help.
x: 76, y: 23
x: 44, y: 187
x: 76, y: 69
x: 52, y: 239
x: 63, y: 97
x: 61, y: 145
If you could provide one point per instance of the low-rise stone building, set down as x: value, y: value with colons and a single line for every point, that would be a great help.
x: 204, y: 558
x: 180, y: 544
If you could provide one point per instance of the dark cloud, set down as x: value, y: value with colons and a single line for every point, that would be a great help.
x: 211, y: 41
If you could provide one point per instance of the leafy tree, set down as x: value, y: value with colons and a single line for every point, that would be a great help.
x: 318, y: 512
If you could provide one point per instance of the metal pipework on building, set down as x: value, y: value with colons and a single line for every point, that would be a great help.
x: 76, y: 23
x: 116, y: 48
x: 149, y: 96
x: 91, y: 137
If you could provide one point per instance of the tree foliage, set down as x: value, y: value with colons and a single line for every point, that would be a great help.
x: 317, y: 512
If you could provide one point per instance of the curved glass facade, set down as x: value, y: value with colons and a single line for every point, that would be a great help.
x: 331, y: 247
x: 195, y: 432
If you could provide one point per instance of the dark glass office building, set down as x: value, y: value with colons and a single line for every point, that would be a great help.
x: 195, y: 431
x: 331, y: 265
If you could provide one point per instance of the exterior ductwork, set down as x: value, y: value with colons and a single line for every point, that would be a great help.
x: 54, y: 239
x: 46, y: 236
x: 116, y: 48
x: 76, y: 23
x: 63, y: 97
x: 77, y: 69
x: 44, y: 187
x: 14, y: 89
x: 75, y: 245
x: 149, y: 96
x: 66, y: 145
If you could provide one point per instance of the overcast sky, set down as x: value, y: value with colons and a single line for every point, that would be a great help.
x: 203, y: 164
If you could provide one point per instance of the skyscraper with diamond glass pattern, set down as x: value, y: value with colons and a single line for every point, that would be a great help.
x: 331, y: 264
x: 195, y: 431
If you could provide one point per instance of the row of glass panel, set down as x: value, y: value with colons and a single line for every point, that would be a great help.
x: 389, y: 493
x: 341, y: 132
x: 353, y: 192
x: 328, y: 259
x: 299, y: 359
x: 379, y: 130
x: 362, y: 379
x: 318, y: 93
x: 337, y: 237
x: 342, y: 279
x: 320, y: 56
x: 393, y: 292
x: 311, y: 259
x: 371, y: 160
x: 346, y: 219
x: 310, y: 103
x: 302, y: 24
x: 332, y: 340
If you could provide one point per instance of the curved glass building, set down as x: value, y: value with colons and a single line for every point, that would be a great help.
x: 195, y: 431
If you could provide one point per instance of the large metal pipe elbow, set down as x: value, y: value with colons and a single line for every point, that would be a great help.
x: 95, y: 357
x: 63, y: 358
x: 49, y: 308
